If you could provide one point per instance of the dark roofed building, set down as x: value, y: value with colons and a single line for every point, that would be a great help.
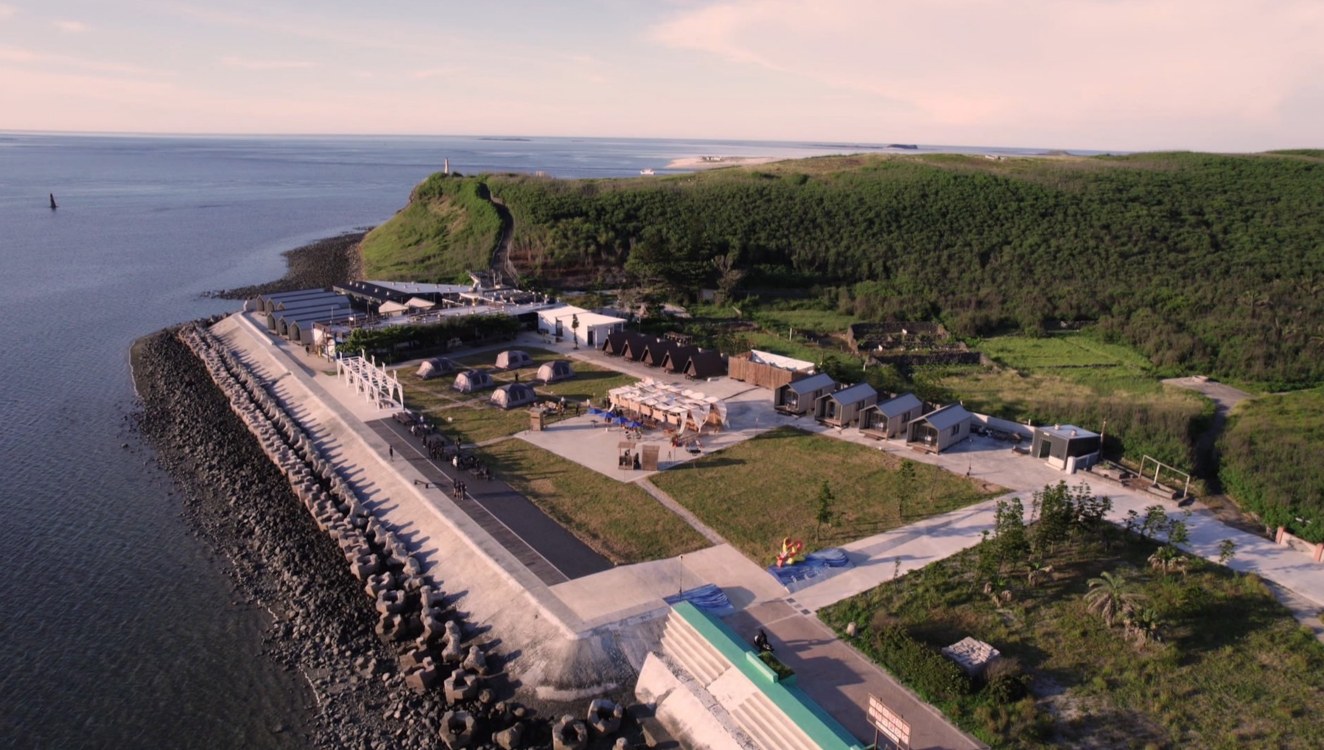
x: 705, y: 364
x: 679, y: 358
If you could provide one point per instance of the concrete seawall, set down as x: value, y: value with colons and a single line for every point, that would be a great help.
x: 454, y: 672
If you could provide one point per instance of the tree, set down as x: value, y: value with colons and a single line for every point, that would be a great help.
x: 1009, y: 531
x: 1110, y: 598
x: 574, y: 329
x: 1227, y: 549
x: 1055, y: 516
x: 824, y: 513
x: 905, y: 486
x: 1178, y: 533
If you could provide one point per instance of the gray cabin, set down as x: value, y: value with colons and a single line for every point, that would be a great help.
x: 940, y: 429
x: 841, y: 408
x: 888, y: 419
x: 798, y: 396
x: 1066, y: 446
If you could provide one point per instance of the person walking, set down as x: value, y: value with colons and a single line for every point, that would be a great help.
x: 391, y: 450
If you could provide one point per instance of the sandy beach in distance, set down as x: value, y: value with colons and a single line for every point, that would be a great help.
x: 712, y: 162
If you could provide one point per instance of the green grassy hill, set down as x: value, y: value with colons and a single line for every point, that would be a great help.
x: 1204, y: 263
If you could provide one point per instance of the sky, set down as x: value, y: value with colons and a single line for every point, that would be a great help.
x: 1212, y: 75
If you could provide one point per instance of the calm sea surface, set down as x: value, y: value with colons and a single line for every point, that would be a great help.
x: 116, y: 626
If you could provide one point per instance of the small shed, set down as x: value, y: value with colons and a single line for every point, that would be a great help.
x: 436, y: 367
x: 1066, y: 446
x: 841, y: 408
x: 513, y: 359
x: 513, y: 395
x: 940, y: 429
x: 555, y: 371
x: 705, y: 364
x: 470, y: 381
x: 889, y: 418
x: 798, y: 396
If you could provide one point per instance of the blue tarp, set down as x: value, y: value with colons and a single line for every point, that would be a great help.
x: 708, y: 598
x: 814, y: 566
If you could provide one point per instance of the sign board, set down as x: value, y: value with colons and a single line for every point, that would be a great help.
x: 889, y: 722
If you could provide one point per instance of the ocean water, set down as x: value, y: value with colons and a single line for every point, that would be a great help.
x: 117, y: 628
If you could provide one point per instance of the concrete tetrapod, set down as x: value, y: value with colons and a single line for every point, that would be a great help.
x: 457, y: 729
x: 569, y: 733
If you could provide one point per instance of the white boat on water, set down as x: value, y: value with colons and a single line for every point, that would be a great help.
x: 646, y: 171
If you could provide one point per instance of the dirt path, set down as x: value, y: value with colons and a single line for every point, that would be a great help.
x: 1225, y: 398
x: 501, y: 262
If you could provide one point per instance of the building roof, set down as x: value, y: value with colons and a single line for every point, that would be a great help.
x: 706, y: 364
x: 811, y: 383
x: 1067, y: 432
x: 587, y: 318
x: 947, y: 416
x: 278, y: 296
x: 324, y: 299
x: 777, y: 360
x: 391, y: 308
x: 899, y: 405
x: 418, y: 303
x: 414, y: 287
x: 853, y: 394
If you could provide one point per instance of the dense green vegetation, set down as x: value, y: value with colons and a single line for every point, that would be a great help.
x: 394, y: 343
x: 1202, y: 262
x: 1109, y: 638
x: 1270, y: 460
x: 448, y: 227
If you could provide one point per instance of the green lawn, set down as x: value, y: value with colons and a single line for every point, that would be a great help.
x: 759, y: 491
x: 471, y: 416
x: 617, y: 519
x: 1232, y: 669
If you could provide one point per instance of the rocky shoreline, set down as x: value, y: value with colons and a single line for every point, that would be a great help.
x: 351, y: 610
x: 320, y: 264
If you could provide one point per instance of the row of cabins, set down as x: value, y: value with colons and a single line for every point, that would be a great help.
x: 858, y: 404
x: 671, y: 356
x: 292, y: 315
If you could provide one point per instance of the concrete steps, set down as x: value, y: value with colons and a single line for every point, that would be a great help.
x: 683, y: 643
x: 769, y: 727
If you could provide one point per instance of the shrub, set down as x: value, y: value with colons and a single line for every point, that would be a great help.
x: 931, y: 674
x: 1005, y: 682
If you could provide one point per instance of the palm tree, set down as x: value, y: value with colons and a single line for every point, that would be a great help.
x: 1109, y: 598
x: 1036, y: 571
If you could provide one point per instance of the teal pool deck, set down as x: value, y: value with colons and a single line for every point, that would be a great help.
x: 789, y: 699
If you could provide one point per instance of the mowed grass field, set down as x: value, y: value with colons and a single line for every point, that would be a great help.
x: 618, y: 519
x: 758, y: 492
x: 475, y: 420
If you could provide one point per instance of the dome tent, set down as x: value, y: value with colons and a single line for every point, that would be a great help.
x: 436, y: 367
x: 513, y: 395
x: 513, y: 359
x: 473, y: 380
x: 555, y: 371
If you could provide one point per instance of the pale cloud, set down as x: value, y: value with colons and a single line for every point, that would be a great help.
x: 965, y: 67
x: 7, y: 11
x: 424, y: 75
x: 70, y: 27
x: 244, y: 63
x: 48, y: 61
